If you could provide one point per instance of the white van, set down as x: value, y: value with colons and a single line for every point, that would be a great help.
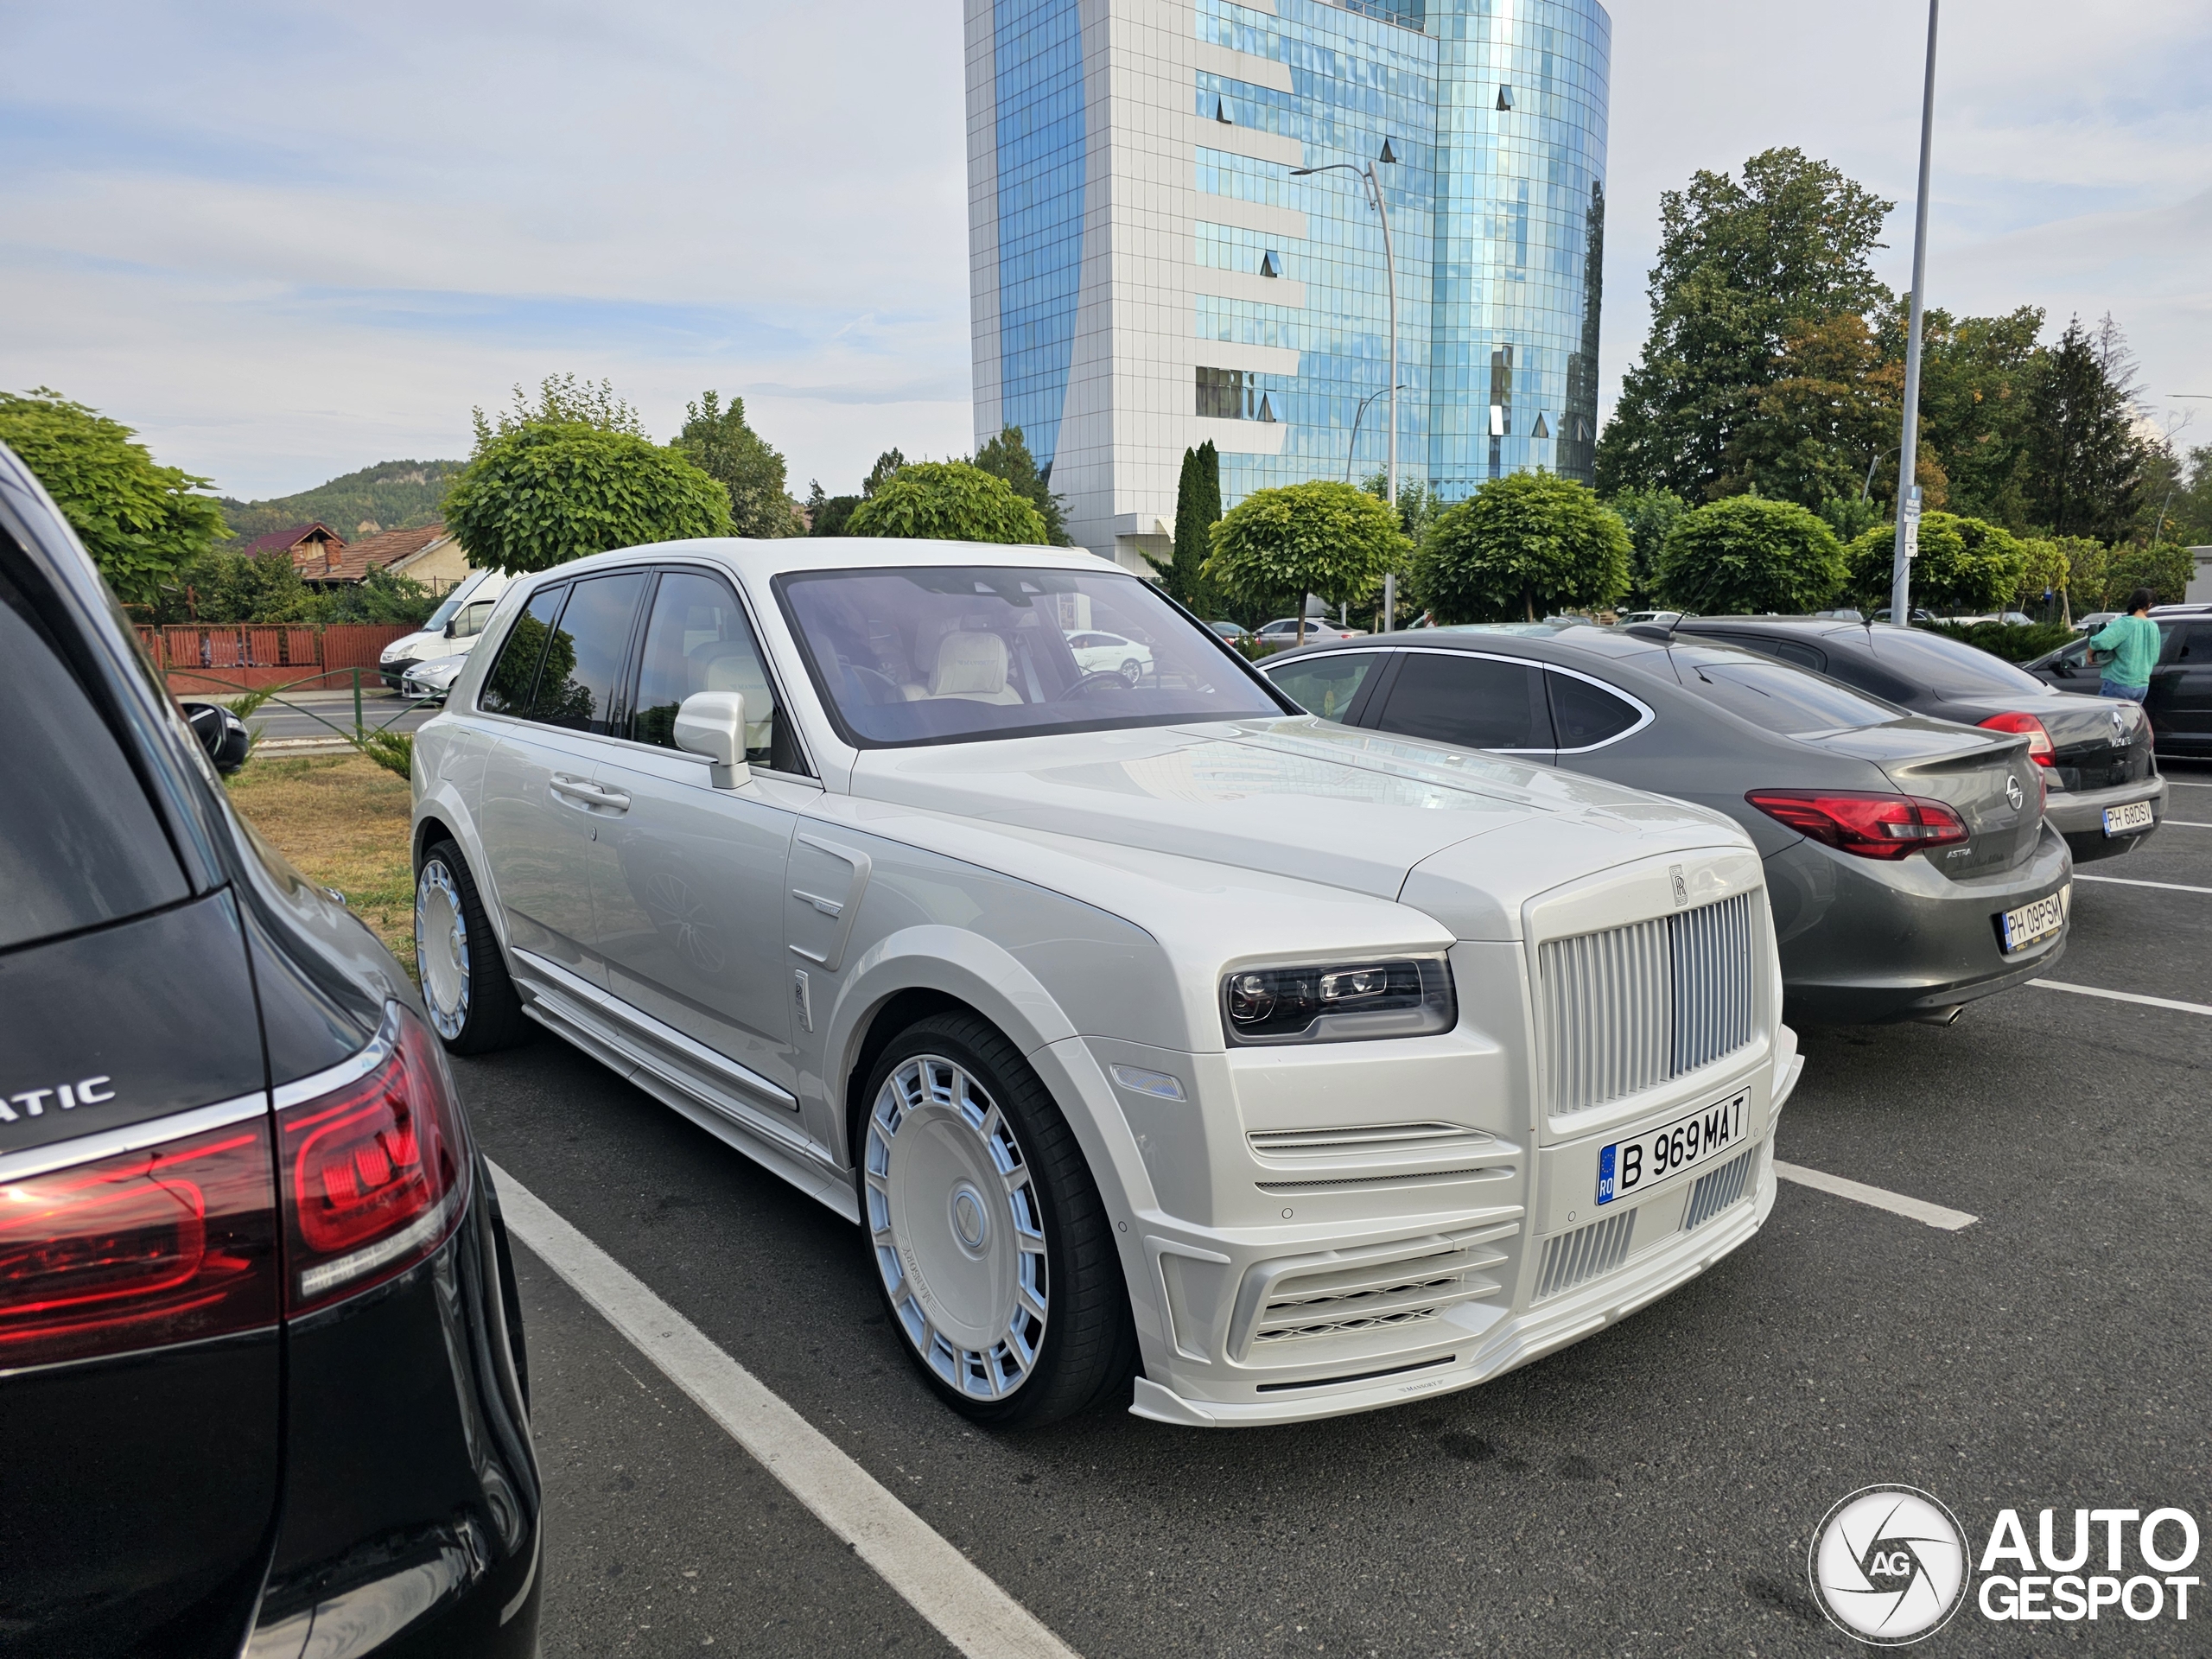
x: 452, y: 629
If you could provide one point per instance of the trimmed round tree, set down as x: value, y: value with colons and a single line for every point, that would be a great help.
x: 541, y: 492
x: 1964, y: 564
x: 1276, y: 546
x: 950, y: 501
x: 1520, y: 548
x: 1748, y: 555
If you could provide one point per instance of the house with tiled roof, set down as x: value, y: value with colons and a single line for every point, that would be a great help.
x: 314, y: 543
x: 427, y: 554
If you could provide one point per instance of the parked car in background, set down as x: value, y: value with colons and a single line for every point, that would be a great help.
x: 1284, y: 631
x: 2180, y: 705
x: 261, y: 1353
x: 1660, y: 618
x: 1097, y: 652
x: 429, y: 681
x: 1234, y: 633
x: 2106, y: 797
x: 1907, y: 859
x: 453, y: 629
x: 2093, y: 622
x: 1161, y: 1021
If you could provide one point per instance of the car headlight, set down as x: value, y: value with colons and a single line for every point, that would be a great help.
x: 1351, y: 1001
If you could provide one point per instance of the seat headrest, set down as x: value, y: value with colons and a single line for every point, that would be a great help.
x: 969, y: 665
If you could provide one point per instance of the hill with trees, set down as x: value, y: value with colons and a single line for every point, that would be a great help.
x: 390, y: 495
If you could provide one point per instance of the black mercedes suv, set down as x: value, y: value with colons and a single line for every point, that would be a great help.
x: 261, y: 1380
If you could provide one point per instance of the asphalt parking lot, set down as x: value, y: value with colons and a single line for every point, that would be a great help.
x: 1650, y: 1490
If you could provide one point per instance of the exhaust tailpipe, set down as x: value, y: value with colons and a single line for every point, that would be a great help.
x: 1939, y: 1016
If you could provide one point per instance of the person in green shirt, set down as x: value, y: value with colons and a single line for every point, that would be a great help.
x: 2134, y: 641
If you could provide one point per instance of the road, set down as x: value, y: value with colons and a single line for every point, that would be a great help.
x: 312, y: 714
x: 1649, y: 1491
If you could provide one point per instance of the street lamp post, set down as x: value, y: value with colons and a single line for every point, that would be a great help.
x: 1351, y: 453
x: 1390, y: 277
x: 1907, y: 541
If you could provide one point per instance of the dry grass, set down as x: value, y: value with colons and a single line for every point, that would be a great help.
x: 343, y: 820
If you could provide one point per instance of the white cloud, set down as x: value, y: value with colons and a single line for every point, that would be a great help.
x: 288, y: 238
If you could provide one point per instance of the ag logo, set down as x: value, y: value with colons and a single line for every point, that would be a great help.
x: 2014, y: 793
x: 1889, y: 1566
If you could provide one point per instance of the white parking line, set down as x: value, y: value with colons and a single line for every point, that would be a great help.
x: 2129, y: 882
x: 1859, y: 1193
x: 2183, y: 783
x: 2183, y: 824
x: 944, y: 1586
x: 2122, y: 996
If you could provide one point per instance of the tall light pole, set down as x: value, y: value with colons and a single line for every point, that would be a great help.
x: 1390, y: 275
x: 1351, y: 453
x: 1907, y: 541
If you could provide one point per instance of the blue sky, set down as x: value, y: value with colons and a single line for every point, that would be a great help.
x: 288, y: 240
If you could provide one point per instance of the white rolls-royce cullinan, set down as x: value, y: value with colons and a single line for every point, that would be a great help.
x: 1156, y: 1026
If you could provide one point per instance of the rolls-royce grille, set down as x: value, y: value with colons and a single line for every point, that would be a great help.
x: 1634, y: 1006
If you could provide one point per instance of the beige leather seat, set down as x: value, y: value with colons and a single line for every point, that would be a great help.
x: 728, y: 665
x: 968, y: 666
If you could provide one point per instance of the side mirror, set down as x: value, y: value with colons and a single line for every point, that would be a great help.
x: 449, y: 633
x: 712, y: 723
x: 221, y: 734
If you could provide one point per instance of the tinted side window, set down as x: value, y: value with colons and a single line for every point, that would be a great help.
x: 1796, y: 652
x: 79, y: 843
x: 1326, y: 685
x: 2196, y: 645
x: 1856, y: 667
x: 583, y: 657
x: 1775, y: 695
x: 1587, y: 715
x: 1949, y: 667
x: 698, y: 639
x: 1477, y: 702
x: 514, y: 676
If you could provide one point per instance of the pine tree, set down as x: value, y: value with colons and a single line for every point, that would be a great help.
x: 1197, y: 509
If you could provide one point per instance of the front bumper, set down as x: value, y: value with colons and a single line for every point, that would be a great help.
x: 1504, y: 1284
x: 2080, y: 816
x: 1866, y: 943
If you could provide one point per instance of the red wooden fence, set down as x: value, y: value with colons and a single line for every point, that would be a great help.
x: 236, y: 658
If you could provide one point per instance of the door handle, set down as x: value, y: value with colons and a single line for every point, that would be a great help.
x: 583, y: 792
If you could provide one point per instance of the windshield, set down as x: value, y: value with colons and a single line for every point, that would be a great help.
x: 954, y: 653
x: 1773, y: 695
x: 453, y: 602
x: 1949, y: 668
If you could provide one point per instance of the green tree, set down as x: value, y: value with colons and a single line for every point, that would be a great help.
x: 1964, y: 564
x: 1648, y: 514
x: 1198, y: 509
x: 572, y: 476
x: 1976, y: 376
x: 1007, y: 456
x: 827, y: 514
x: 886, y: 468
x: 2085, y: 460
x: 1522, y: 547
x: 1749, y: 555
x: 1740, y: 263
x: 1328, y: 539
x: 141, y: 522
x: 719, y: 442
x: 2165, y: 570
x: 950, y: 501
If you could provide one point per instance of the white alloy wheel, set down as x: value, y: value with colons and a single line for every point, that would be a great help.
x: 1132, y: 671
x: 958, y: 1234
x: 442, y: 948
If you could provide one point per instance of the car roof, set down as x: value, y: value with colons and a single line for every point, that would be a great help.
x: 1547, y: 642
x: 760, y: 560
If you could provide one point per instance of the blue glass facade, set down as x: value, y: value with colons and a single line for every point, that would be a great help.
x: 1150, y: 272
x: 1037, y: 55
x: 1495, y: 111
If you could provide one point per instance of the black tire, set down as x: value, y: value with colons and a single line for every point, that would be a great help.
x: 1089, y: 1345
x: 489, y: 1014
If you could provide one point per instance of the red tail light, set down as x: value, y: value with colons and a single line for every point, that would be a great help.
x: 1869, y: 825
x: 173, y: 1243
x: 375, y: 1173
x: 2039, y: 748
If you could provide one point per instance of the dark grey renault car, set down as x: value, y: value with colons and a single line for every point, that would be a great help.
x: 262, y: 1389
x: 1908, y: 860
x: 2106, y: 797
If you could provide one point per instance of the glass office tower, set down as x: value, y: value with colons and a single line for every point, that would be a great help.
x: 1147, y: 273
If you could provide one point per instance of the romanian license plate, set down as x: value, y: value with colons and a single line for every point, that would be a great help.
x: 1629, y: 1168
x: 2126, y: 820
x: 2024, y: 926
